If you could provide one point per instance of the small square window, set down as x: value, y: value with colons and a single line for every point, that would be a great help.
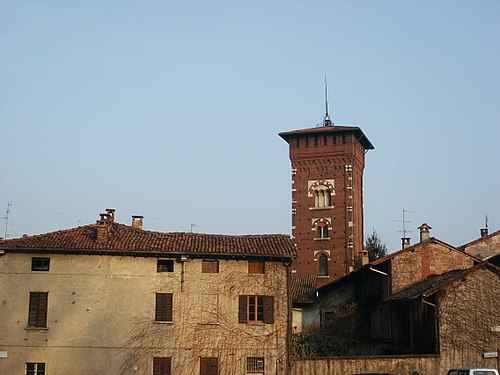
x: 165, y: 265
x: 256, y: 267
x: 40, y: 264
x: 33, y: 368
x: 255, y: 364
x: 210, y: 266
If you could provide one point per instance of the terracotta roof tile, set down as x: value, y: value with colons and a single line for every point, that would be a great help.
x: 127, y: 239
x: 303, y: 288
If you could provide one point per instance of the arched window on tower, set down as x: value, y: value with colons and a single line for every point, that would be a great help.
x: 322, y: 197
x: 322, y: 231
x: 323, y: 265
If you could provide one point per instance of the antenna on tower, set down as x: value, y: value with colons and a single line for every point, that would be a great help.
x: 326, y: 120
x: 6, y: 218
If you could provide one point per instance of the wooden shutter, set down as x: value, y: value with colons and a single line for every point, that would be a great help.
x: 37, y: 314
x: 256, y: 267
x: 242, y: 309
x: 162, y: 366
x: 269, y: 309
x: 209, y: 366
x: 163, y: 311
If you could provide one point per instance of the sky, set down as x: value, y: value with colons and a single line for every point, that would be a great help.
x: 172, y: 109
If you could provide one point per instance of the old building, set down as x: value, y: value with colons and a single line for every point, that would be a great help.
x: 109, y: 298
x: 484, y: 247
x: 352, y: 306
x: 327, y: 198
x: 443, y: 321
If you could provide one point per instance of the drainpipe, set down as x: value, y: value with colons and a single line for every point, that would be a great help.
x: 183, y: 259
x: 436, y: 333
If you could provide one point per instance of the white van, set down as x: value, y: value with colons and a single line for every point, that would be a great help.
x: 473, y: 371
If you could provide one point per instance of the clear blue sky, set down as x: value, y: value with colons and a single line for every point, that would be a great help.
x: 172, y: 109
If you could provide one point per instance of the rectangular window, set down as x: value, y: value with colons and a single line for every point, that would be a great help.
x: 33, y: 368
x: 210, y: 266
x: 162, y: 366
x: 40, y: 264
x: 37, y: 313
x: 209, y: 366
x: 256, y: 309
x: 163, y: 311
x: 255, y: 364
x: 256, y: 267
x: 164, y: 265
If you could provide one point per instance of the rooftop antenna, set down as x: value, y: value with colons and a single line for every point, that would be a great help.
x: 193, y: 225
x: 486, y: 221
x: 326, y: 120
x: 404, y: 222
x: 6, y: 218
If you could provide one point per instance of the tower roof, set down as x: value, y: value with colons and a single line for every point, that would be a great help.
x: 323, y: 130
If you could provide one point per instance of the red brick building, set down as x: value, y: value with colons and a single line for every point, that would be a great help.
x: 327, y: 198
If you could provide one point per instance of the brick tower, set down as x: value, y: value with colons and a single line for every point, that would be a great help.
x: 327, y: 198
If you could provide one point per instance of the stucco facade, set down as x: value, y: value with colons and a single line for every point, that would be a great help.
x: 101, y: 312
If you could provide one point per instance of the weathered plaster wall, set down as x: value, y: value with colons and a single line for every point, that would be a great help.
x: 101, y: 315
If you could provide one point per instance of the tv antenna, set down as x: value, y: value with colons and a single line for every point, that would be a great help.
x: 326, y: 120
x: 404, y: 222
x: 193, y: 225
x: 6, y: 218
x: 486, y: 221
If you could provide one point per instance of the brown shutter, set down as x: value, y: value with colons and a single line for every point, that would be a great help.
x: 162, y: 366
x: 269, y: 309
x: 164, y: 308
x: 37, y: 313
x: 242, y: 309
x: 209, y: 366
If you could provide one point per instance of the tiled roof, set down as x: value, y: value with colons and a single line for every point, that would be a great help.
x: 479, y: 240
x: 330, y: 129
x: 303, y: 288
x: 127, y: 239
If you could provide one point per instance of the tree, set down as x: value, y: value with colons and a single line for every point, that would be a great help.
x: 373, y: 244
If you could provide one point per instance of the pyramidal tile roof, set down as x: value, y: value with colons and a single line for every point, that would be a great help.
x: 123, y: 239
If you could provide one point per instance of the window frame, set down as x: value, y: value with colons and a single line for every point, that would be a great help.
x: 209, y: 266
x: 36, y: 370
x: 38, y: 306
x: 248, y: 309
x: 44, y: 265
x: 164, y: 265
x: 256, y: 365
x: 164, y: 309
x: 323, y: 265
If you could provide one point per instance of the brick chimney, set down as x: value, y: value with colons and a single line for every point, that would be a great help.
x: 405, y: 242
x: 425, y: 234
x: 365, y: 259
x: 103, y: 226
x: 484, y: 232
x: 111, y: 214
x: 137, y: 221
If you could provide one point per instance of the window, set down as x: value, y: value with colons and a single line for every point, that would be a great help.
x: 255, y: 364
x: 323, y: 265
x: 256, y: 267
x: 209, y: 366
x: 162, y: 366
x: 40, y: 264
x: 322, y: 231
x: 37, y: 314
x: 163, y: 312
x: 210, y: 266
x: 256, y: 309
x: 165, y: 265
x: 33, y: 368
x: 322, y: 197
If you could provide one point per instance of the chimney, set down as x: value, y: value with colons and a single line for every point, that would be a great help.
x: 365, y: 259
x: 484, y: 232
x: 137, y: 221
x: 111, y: 214
x: 103, y: 227
x: 425, y: 234
x: 405, y: 242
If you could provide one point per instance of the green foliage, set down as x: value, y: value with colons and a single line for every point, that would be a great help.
x: 316, y: 344
x: 376, y: 249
